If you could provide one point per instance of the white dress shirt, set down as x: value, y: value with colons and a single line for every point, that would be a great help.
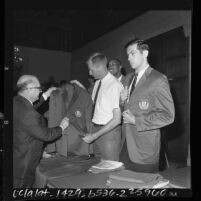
x: 107, y: 100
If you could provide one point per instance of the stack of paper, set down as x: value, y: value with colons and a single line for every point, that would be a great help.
x: 130, y: 179
x: 106, y: 165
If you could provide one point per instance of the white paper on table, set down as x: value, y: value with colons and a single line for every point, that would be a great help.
x: 108, y: 164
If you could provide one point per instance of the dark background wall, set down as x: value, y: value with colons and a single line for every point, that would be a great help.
x: 170, y: 55
x: 46, y: 63
x: 151, y: 24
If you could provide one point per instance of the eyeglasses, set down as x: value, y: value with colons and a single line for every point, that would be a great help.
x: 35, y: 88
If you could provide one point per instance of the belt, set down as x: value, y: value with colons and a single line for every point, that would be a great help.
x: 98, y: 125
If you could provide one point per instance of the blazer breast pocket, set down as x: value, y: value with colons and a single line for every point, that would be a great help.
x: 144, y: 104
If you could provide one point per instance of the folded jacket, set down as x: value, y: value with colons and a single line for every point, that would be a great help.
x: 96, y: 171
x: 137, y: 177
x: 158, y: 183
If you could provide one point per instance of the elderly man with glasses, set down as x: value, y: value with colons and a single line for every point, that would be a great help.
x: 29, y: 132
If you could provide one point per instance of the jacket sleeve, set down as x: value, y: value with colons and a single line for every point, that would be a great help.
x: 162, y: 112
x: 39, y: 103
x: 36, y: 127
x: 88, y: 113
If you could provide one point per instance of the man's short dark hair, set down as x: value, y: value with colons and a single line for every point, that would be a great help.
x: 115, y: 59
x: 141, y: 44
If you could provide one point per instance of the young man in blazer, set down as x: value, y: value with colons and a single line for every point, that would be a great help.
x: 148, y: 106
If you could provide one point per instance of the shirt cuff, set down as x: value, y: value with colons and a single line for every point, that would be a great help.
x: 61, y: 128
x: 44, y: 96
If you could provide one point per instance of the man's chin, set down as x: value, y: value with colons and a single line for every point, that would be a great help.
x: 37, y: 98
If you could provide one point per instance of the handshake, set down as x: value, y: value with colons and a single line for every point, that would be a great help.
x: 64, y: 123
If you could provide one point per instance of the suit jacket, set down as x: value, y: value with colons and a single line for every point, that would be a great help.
x: 78, y: 109
x: 30, y: 131
x: 39, y: 102
x: 123, y: 78
x: 152, y: 105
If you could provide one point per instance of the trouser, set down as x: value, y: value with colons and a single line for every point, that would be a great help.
x: 136, y: 167
x: 27, y: 182
x: 108, y: 145
x: 123, y: 138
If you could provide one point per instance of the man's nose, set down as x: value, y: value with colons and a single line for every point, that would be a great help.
x: 129, y: 57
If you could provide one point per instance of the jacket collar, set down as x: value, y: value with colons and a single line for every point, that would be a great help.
x: 26, y: 101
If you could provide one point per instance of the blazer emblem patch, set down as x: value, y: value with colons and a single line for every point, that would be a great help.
x: 144, y: 104
x: 78, y: 113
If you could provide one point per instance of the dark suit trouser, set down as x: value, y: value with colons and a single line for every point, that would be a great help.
x: 27, y: 182
x: 108, y: 145
x: 136, y: 167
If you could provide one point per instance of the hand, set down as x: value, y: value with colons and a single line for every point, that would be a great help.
x: 64, y: 123
x: 46, y: 114
x: 124, y: 94
x: 78, y: 83
x: 49, y: 91
x: 128, y: 117
x: 89, y: 138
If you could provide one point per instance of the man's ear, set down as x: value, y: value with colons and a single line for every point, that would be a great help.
x: 145, y: 53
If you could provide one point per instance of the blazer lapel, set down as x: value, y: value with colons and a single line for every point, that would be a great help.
x: 143, y: 78
x: 26, y: 102
x: 130, y: 79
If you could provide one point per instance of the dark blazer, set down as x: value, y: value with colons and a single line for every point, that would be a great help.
x: 78, y: 109
x: 152, y: 105
x: 39, y: 102
x: 123, y: 78
x: 29, y: 133
x: 79, y: 112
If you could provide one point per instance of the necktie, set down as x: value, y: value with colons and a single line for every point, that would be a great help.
x: 96, y: 95
x: 134, y: 82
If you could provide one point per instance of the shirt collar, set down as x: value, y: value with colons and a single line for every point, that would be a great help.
x: 25, y: 98
x: 29, y: 100
x: 106, y: 77
x: 119, y: 78
x: 142, y: 71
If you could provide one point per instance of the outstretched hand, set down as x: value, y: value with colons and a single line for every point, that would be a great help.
x: 64, y: 123
x: 89, y: 138
x: 128, y: 117
x: 49, y: 91
x: 78, y: 83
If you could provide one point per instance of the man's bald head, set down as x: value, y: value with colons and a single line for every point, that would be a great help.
x: 29, y: 87
x: 26, y: 80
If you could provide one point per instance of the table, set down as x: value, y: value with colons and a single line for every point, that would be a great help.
x: 60, y: 166
x: 72, y: 172
x: 179, y: 178
x: 82, y: 180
